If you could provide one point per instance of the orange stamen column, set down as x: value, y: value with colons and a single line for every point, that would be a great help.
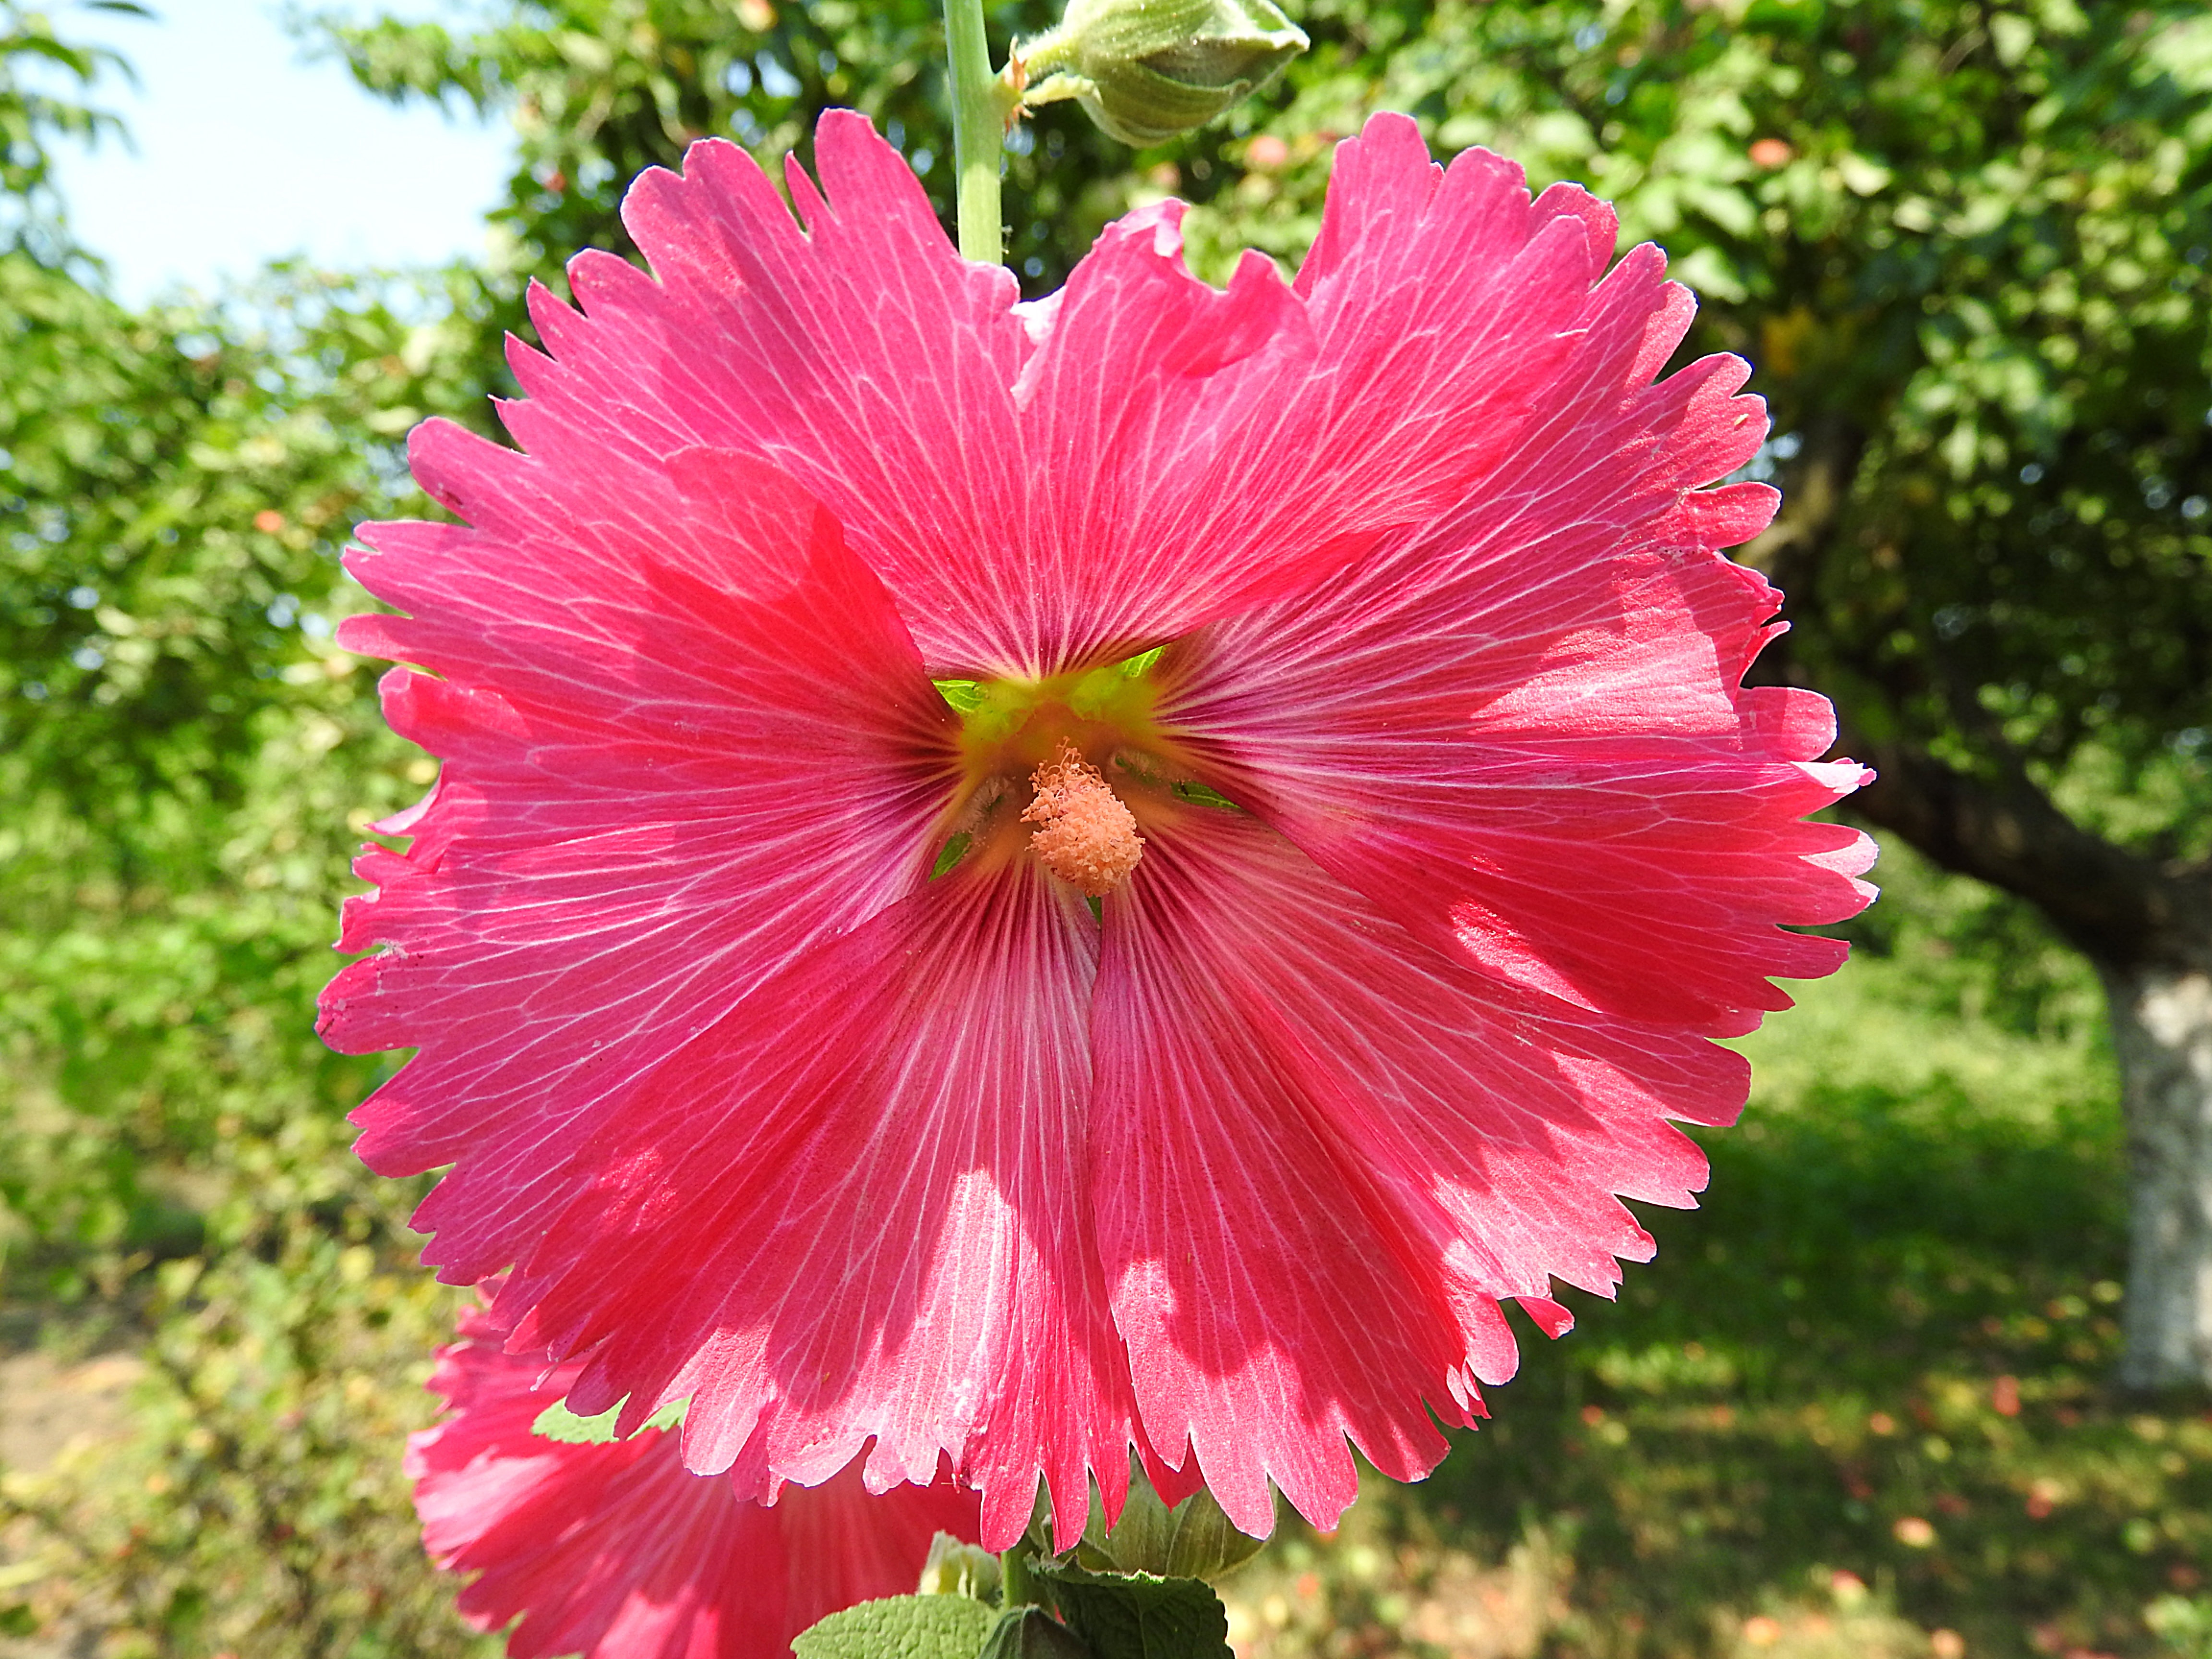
x: 1084, y: 834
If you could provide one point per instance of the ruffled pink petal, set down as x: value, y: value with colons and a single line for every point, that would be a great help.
x: 1521, y: 728
x: 618, y: 1552
x: 856, y: 1208
x: 860, y: 352
x: 1435, y: 300
x: 896, y: 381
x: 1160, y: 454
x: 1257, y: 440
x: 1141, y: 413
x: 1323, y: 1154
x: 684, y: 737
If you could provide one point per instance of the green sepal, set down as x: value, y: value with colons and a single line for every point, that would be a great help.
x: 1137, y: 1615
x: 557, y: 1422
x: 1194, y: 1540
x: 900, y: 1627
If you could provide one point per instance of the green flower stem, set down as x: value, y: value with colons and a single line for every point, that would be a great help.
x: 1019, y: 1586
x: 979, y: 129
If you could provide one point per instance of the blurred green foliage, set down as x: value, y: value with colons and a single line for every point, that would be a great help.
x: 175, y: 490
x: 176, y: 485
x: 34, y: 61
x: 1965, y: 243
x: 256, y: 1505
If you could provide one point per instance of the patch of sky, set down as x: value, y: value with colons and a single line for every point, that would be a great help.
x: 775, y: 81
x: 247, y: 147
x: 1762, y: 467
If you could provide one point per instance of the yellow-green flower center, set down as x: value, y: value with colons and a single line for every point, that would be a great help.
x: 1082, y: 756
x: 1022, y: 722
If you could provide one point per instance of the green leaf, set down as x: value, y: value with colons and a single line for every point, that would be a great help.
x: 900, y: 1627
x: 557, y: 1422
x: 1137, y: 1616
x: 1032, y: 1633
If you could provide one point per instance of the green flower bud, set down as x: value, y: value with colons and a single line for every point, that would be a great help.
x: 955, y: 1567
x: 1147, y: 70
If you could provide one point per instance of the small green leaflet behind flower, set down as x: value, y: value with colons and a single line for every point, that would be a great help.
x: 557, y: 1422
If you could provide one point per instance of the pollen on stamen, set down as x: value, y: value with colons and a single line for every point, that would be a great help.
x: 1084, y: 834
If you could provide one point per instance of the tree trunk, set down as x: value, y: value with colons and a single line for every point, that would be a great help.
x: 2147, y: 927
x: 2162, y: 1034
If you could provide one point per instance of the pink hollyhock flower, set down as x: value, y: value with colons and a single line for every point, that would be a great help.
x: 789, y: 1071
x: 619, y: 1551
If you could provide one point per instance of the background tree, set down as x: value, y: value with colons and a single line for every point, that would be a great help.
x: 1965, y: 245
x: 175, y: 483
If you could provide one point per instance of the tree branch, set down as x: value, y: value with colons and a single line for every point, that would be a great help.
x: 2117, y: 907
